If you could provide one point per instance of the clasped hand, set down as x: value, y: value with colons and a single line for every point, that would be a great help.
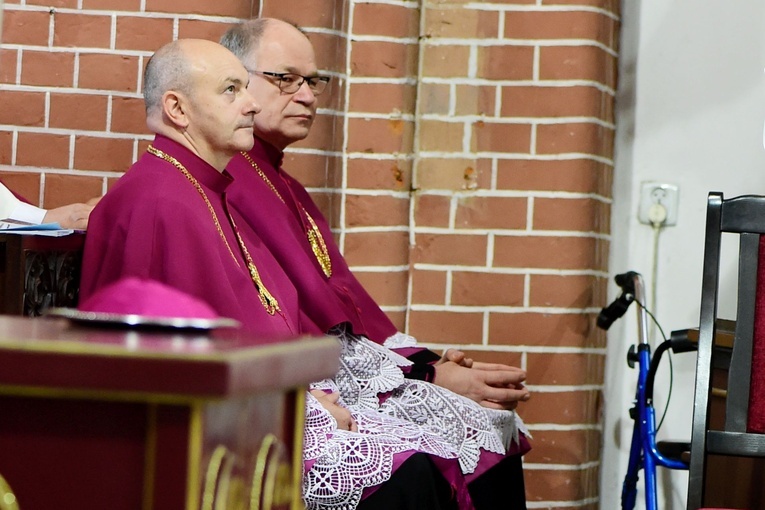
x: 341, y: 415
x: 493, y: 385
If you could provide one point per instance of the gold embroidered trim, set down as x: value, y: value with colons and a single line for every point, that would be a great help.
x: 315, y: 239
x: 268, y: 301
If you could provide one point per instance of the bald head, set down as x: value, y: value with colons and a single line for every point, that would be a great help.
x: 172, y: 67
x: 196, y: 93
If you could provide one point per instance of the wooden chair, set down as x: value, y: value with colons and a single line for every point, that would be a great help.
x: 745, y: 216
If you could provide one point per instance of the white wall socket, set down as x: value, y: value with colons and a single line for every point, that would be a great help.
x: 658, y: 200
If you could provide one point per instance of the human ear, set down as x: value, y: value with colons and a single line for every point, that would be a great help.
x: 174, y: 107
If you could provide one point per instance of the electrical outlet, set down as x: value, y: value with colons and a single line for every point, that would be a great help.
x: 658, y: 203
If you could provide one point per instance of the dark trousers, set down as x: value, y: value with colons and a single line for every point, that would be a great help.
x: 418, y: 485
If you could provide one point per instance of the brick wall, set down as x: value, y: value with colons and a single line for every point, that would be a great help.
x: 463, y: 153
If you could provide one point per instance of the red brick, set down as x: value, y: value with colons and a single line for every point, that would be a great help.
x: 545, y: 329
x: 506, y: 62
x: 382, y: 98
x: 440, y: 136
x: 71, y: 4
x: 47, y: 69
x: 564, y: 407
x: 487, y: 289
x: 446, y: 327
x: 570, y: 101
x: 307, y: 13
x: 571, y: 369
x: 142, y: 33
x: 551, y: 252
x: 579, y: 138
x: 26, y: 27
x: 78, y: 111
x: 6, y: 147
x: 452, y: 174
x: 436, y: 98
x: 446, y: 60
x: 380, y: 136
x: 505, y: 137
x: 327, y: 205
x: 113, y: 5
x: 428, y: 287
x: 82, y: 30
x: 388, y: 288
x: 383, y: 59
x: 576, y: 175
x: 122, y: 75
x: 450, y: 249
x: 103, y: 154
x: 570, y: 291
x: 386, y: 20
x: 461, y: 23
x: 491, y: 212
x: 22, y: 108
x: 230, y: 8
x: 330, y: 50
x: 398, y: 318
x: 24, y: 183
x: 66, y: 189
x: 8, y: 60
x: 366, y: 210
x: 200, y: 29
x: 577, y: 63
x: 55, y: 155
x: 377, y: 248
x: 142, y: 146
x: 612, y: 6
x: 432, y: 210
x: 579, y: 214
x: 379, y: 174
x: 572, y: 447
x: 128, y: 115
x: 576, y: 484
x: 580, y: 25
x: 309, y: 169
x: 475, y: 100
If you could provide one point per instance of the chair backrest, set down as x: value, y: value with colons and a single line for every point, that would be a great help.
x: 745, y: 216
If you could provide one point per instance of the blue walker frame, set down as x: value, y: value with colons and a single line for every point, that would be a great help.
x: 644, y: 452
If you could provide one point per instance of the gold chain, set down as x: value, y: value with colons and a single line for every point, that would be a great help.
x: 268, y: 301
x: 315, y: 239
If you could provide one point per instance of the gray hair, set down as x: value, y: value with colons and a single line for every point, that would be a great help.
x: 168, y: 69
x: 243, y: 39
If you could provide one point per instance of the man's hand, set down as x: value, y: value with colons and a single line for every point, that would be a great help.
x: 341, y: 415
x: 492, y: 385
x: 74, y: 216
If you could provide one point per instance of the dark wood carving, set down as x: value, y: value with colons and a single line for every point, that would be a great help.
x: 39, y: 272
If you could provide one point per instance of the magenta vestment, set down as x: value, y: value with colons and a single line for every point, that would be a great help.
x: 283, y: 228
x: 154, y: 224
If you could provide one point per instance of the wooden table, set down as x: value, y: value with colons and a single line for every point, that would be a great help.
x: 95, y: 418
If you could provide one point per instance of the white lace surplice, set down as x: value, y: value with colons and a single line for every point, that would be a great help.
x: 394, y: 415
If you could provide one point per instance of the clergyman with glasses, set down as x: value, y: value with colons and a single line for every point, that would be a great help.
x: 438, y: 432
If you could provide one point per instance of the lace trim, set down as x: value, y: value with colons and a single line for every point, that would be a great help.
x: 345, y: 463
x: 400, y: 340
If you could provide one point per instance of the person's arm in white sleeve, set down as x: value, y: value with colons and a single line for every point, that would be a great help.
x: 14, y: 210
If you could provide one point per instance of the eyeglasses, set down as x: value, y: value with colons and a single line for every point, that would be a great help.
x: 290, y: 83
